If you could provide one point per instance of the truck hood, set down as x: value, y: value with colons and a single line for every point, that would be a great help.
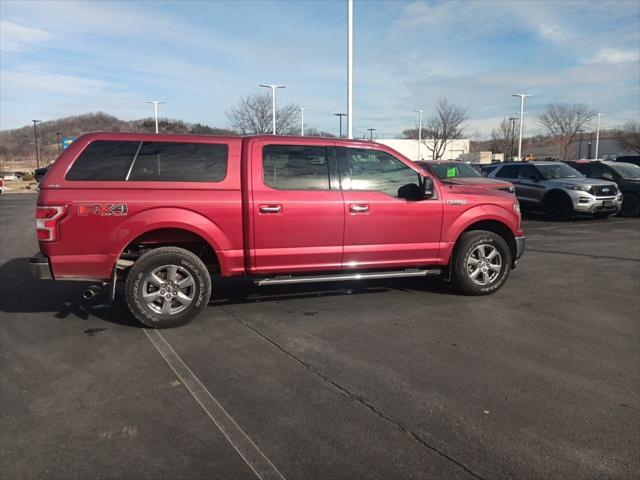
x: 472, y: 190
x: 478, y: 182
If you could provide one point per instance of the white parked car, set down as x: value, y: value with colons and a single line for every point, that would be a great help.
x: 10, y: 176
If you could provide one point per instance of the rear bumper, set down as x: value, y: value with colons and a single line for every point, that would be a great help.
x: 40, y: 268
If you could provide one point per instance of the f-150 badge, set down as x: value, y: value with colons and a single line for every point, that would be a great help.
x: 103, y: 209
x: 456, y: 202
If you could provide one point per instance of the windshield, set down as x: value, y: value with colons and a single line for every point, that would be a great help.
x: 626, y: 170
x: 446, y: 171
x: 558, y: 170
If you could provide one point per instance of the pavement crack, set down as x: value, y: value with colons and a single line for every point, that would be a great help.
x: 588, y: 255
x: 354, y: 396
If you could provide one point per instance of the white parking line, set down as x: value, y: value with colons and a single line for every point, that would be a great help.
x: 248, y: 450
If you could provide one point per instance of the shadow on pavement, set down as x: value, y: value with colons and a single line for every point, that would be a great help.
x: 22, y: 293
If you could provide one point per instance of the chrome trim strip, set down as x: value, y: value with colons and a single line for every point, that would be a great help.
x: 283, y: 280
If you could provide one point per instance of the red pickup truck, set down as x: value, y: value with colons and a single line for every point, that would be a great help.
x: 163, y: 213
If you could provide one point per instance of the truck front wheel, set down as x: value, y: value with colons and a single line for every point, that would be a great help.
x: 481, y: 263
x: 167, y: 287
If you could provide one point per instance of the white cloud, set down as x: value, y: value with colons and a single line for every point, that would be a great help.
x: 613, y: 55
x: 15, y: 37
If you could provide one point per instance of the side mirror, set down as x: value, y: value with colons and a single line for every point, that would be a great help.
x: 426, y: 189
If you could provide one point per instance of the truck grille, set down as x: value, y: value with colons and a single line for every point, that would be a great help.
x: 604, y: 190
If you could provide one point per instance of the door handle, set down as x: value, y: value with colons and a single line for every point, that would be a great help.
x: 270, y: 208
x: 358, y: 208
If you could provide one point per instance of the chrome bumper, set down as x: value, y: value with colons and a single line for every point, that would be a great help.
x: 40, y: 268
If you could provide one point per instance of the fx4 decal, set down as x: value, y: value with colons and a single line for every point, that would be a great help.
x: 103, y: 209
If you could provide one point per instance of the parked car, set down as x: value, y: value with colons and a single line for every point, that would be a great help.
x: 458, y: 173
x: 635, y: 159
x: 559, y: 190
x: 1, y: 185
x: 626, y: 176
x: 486, y: 169
x: 161, y: 213
x: 39, y: 173
x: 10, y: 176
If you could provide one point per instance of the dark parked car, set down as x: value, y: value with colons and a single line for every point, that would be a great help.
x: 39, y: 173
x: 635, y: 159
x: 626, y: 175
x: 486, y: 169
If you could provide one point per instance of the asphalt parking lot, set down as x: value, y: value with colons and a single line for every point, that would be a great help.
x: 386, y: 379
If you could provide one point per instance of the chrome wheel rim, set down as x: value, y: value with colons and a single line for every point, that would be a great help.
x: 168, y: 290
x: 484, y: 264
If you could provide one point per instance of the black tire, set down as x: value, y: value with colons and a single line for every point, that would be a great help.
x: 466, y: 247
x: 558, y: 207
x: 190, y: 270
x: 630, y: 205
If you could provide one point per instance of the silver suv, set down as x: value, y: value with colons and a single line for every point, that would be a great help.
x: 559, y: 190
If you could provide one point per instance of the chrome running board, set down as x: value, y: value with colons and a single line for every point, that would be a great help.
x: 339, y: 277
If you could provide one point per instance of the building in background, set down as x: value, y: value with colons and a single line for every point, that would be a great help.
x: 409, y: 148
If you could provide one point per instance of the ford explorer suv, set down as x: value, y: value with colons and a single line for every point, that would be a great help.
x: 559, y: 190
x: 161, y: 214
x: 458, y: 173
x: 626, y: 176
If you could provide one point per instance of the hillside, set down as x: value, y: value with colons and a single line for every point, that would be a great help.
x: 17, y: 145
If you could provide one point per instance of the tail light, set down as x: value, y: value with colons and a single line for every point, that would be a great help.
x: 47, y: 219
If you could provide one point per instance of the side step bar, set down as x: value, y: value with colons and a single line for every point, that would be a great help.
x: 339, y: 277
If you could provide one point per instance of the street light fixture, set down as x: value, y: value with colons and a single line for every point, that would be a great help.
x: 155, y: 110
x: 522, y: 97
x: 340, y: 115
x: 598, y: 136
x: 349, y: 70
x: 419, y: 112
x: 302, y: 109
x: 512, y: 120
x: 273, y: 103
x: 581, y: 131
x: 371, y: 130
x: 35, y: 139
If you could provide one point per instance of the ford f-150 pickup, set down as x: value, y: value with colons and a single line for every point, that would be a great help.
x: 161, y: 214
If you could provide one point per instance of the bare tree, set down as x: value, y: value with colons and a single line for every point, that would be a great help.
x: 562, y: 122
x: 629, y: 137
x: 252, y: 115
x: 446, y: 124
x: 502, y: 138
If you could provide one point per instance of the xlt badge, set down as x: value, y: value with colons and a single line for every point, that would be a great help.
x: 456, y: 202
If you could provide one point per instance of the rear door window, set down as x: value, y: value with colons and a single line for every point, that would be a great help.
x: 103, y: 161
x: 180, y: 162
x: 296, y: 167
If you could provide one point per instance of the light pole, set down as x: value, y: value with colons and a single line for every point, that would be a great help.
x: 581, y: 131
x: 155, y: 110
x: 598, y: 136
x: 349, y: 70
x: 513, y: 133
x: 35, y: 139
x: 302, y: 109
x: 371, y: 130
x: 273, y: 103
x: 522, y: 97
x: 340, y: 115
x: 419, y: 112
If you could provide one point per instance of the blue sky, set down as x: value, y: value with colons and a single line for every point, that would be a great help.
x: 63, y: 58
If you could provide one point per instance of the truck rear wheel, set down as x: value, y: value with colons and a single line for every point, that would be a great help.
x: 167, y: 287
x: 481, y: 263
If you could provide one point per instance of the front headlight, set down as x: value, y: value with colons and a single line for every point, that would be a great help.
x: 582, y: 188
x: 516, y: 207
